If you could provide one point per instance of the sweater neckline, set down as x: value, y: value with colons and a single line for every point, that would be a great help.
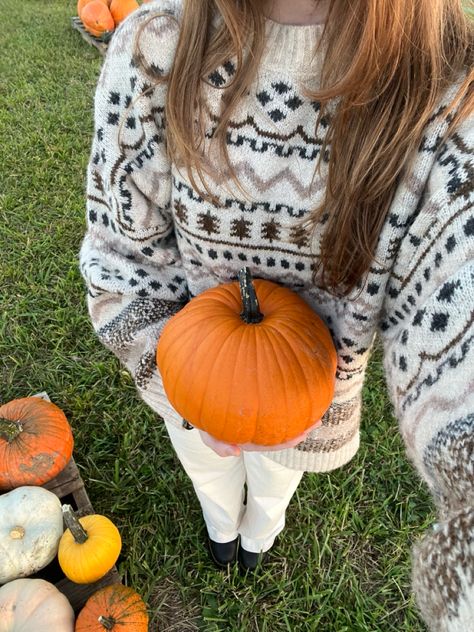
x: 292, y: 46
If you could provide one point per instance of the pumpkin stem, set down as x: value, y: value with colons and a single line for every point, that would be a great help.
x: 9, y: 429
x: 72, y: 523
x: 251, y: 313
x: 107, y: 622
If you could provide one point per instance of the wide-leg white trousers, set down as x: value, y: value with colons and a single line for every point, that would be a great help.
x: 219, y: 485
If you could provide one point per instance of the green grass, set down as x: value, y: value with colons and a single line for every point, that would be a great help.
x: 344, y: 563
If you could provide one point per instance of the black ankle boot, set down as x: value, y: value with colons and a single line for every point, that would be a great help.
x: 249, y: 561
x: 223, y: 553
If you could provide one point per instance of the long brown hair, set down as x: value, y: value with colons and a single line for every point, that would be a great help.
x: 387, y: 63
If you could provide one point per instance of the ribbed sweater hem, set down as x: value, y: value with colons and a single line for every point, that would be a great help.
x: 292, y: 458
x: 296, y: 459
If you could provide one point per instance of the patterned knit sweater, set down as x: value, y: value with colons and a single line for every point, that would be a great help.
x: 153, y: 242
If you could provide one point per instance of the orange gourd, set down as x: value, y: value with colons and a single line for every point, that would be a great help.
x: 248, y: 363
x: 82, y: 3
x: 36, y: 442
x: 96, y: 18
x: 121, y: 8
x: 114, y: 607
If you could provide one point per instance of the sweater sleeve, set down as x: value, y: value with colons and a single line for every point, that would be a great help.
x: 427, y: 334
x: 129, y: 258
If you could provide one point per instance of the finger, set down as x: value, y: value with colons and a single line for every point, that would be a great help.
x: 224, y: 449
x: 231, y: 450
x: 219, y: 447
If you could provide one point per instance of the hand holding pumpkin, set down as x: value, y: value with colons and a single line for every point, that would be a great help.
x: 231, y: 449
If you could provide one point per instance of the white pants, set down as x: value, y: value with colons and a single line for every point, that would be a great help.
x: 219, y: 485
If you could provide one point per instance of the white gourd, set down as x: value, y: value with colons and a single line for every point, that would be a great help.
x: 31, y: 525
x: 34, y: 605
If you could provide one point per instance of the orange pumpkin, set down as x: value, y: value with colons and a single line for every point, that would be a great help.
x: 96, y: 18
x: 82, y: 3
x: 36, y: 442
x: 114, y: 607
x: 248, y: 363
x: 121, y: 8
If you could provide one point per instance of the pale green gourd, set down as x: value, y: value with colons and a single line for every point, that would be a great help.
x: 31, y: 525
x: 34, y: 605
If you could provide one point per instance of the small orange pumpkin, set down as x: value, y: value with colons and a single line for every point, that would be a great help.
x: 245, y: 375
x: 36, y: 442
x: 97, y: 19
x: 114, y: 607
x: 82, y: 3
x: 121, y: 8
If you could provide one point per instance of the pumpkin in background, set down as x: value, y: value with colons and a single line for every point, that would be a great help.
x: 31, y: 525
x: 82, y: 3
x: 36, y: 442
x: 97, y: 19
x: 89, y: 547
x: 121, y: 8
x: 34, y: 604
x: 245, y: 375
x: 114, y: 607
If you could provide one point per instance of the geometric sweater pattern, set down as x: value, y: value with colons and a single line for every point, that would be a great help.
x: 152, y: 243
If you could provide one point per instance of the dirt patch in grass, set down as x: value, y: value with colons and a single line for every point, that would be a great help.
x: 171, y: 612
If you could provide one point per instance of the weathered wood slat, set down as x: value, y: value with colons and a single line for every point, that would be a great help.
x: 78, y: 594
x: 100, y: 44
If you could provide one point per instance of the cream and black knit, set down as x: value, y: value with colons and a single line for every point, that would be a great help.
x: 153, y: 242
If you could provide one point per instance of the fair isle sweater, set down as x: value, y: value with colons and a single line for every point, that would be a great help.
x: 152, y: 243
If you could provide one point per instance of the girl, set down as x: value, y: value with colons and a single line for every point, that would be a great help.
x: 328, y: 147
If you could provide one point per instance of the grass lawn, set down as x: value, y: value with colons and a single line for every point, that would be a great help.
x: 344, y: 564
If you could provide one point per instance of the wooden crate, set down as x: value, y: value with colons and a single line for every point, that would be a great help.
x: 70, y: 489
x: 101, y: 43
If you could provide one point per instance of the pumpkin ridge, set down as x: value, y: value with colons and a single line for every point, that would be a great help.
x: 39, y: 604
x: 228, y: 295
x: 197, y: 357
x: 290, y: 364
x: 274, y: 362
x: 118, y: 600
x: 241, y: 347
x: 323, y: 358
x: 223, y: 345
x: 209, y: 300
x: 254, y: 332
x: 270, y: 293
x: 177, y: 345
x: 294, y: 364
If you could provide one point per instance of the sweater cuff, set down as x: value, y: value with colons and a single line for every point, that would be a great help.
x: 443, y: 574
